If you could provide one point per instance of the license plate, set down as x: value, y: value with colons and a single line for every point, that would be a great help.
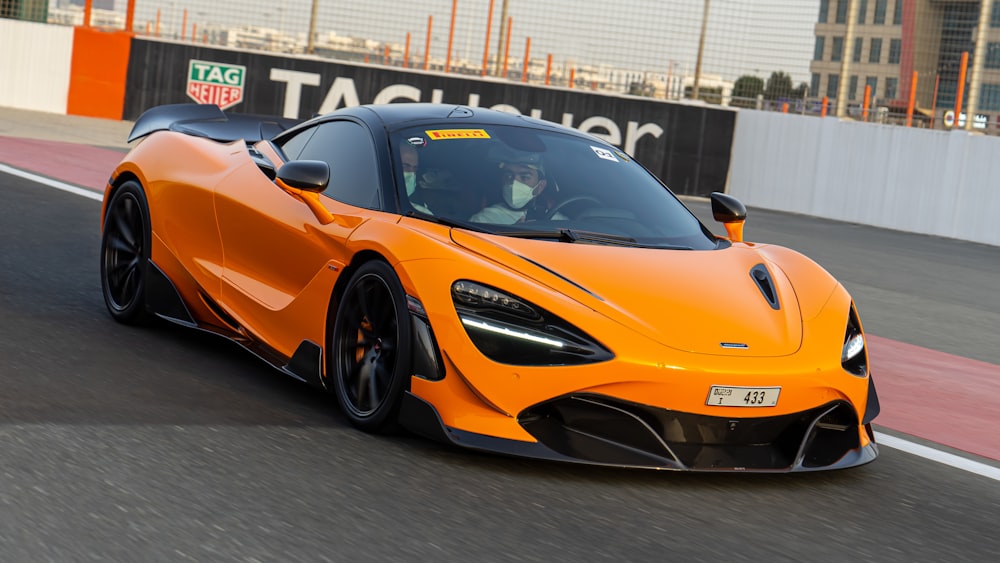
x: 721, y: 396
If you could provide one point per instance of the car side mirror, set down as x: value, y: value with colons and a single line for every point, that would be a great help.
x: 306, y: 175
x: 305, y: 179
x: 731, y: 212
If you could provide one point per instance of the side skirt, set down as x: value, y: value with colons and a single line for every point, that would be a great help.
x: 164, y: 301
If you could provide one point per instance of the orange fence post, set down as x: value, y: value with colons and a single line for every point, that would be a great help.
x: 506, y: 49
x: 427, y: 48
x: 913, y: 99
x: 822, y: 109
x: 385, y: 55
x: 527, y: 59
x: 130, y: 16
x: 961, y: 87
x: 194, y: 31
x: 184, y: 24
x: 406, y: 53
x: 451, y: 36
x: 88, y: 6
x: 784, y: 107
x: 572, y: 76
x: 864, y: 104
x: 486, y: 45
x: 548, y: 69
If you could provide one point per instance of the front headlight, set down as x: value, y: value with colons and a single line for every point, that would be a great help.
x: 510, y: 330
x: 854, y: 354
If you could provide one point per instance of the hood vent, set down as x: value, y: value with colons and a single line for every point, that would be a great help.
x: 762, y: 277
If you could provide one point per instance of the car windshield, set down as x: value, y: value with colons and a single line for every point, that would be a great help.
x: 540, y: 184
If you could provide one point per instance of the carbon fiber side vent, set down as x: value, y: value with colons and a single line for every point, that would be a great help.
x: 762, y: 277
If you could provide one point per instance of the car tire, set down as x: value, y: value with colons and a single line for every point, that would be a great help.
x: 125, y: 244
x: 369, y: 359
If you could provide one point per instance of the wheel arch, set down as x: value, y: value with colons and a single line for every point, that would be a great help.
x: 116, y: 182
x: 359, y: 259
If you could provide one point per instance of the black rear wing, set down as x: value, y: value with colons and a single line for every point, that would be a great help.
x: 207, y: 120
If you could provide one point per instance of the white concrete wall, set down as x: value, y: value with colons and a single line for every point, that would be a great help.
x: 35, y: 65
x: 930, y: 182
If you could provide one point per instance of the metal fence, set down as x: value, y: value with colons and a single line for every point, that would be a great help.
x: 779, y: 55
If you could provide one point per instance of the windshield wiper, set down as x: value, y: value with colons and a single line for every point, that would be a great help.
x: 447, y: 222
x: 573, y: 235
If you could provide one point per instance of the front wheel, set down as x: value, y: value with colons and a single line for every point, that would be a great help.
x: 125, y: 254
x: 369, y: 359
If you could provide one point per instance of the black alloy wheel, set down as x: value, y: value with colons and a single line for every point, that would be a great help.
x: 125, y: 254
x: 369, y: 345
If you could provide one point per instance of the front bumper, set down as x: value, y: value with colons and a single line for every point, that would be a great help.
x: 602, y: 430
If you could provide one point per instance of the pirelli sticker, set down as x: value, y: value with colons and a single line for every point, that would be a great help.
x: 445, y: 134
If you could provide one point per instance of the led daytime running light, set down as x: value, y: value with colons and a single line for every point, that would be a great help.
x: 511, y: 333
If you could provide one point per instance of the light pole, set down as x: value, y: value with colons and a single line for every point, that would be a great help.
x: 310, y: 42
x: 701, y: 52
x: 503, y: 38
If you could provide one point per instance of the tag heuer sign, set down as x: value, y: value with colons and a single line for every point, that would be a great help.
x: 216, y: 83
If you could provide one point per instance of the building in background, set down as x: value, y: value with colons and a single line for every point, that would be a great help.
x: 29, y: 10
x: 893, y: 38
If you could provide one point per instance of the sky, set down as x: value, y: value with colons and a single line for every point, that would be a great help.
x: 742, y: 37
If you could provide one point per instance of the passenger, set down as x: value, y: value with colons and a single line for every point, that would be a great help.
x: 523, y: 182
x: 409, y: 158
x: 436, y: 193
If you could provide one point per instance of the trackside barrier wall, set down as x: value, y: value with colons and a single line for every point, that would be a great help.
x: 931, y: 182
x: 34, y: 65
x: 688, y: 146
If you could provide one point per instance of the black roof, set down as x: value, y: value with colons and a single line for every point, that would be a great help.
x: 396, y: 116
x: 207, y: 120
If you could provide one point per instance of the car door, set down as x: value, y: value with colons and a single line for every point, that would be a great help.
x: 274, y: 245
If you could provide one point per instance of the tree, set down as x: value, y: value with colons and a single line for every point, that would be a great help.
x: 709, y: 95
x: 779, y: 85
x: 745, y: 91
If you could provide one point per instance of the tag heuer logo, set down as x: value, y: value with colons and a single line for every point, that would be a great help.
x: 216, y: 83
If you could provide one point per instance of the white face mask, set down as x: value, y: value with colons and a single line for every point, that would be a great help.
x: 517, y: 194
x: 410, y: 178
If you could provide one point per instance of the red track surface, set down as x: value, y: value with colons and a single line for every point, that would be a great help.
x: 80, y: 165
x: 946, y: 399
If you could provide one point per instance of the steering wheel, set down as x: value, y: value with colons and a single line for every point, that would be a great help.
x: 569, y: 201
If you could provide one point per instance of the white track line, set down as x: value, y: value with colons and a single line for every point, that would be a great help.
x: 918, y: 450
x: 951, y: 460
x: 84, y: 192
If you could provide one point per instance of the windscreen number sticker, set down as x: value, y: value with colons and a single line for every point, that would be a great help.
x: 445, y: 134
x: 604, y: 153
x: 720, y: 396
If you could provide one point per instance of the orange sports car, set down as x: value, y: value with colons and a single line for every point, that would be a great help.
x: 491, y: 281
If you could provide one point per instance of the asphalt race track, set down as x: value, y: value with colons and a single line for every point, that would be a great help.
x: 161, y: 444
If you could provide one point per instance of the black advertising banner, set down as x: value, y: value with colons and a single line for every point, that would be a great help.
x: 688, y: 146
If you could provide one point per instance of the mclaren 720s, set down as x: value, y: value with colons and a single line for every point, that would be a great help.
x: 491, y: 281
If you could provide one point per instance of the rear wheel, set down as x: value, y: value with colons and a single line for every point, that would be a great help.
x: 125, y: 254
x: 369, y: 358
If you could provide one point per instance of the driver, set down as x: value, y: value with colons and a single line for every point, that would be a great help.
x: 523, y: 181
